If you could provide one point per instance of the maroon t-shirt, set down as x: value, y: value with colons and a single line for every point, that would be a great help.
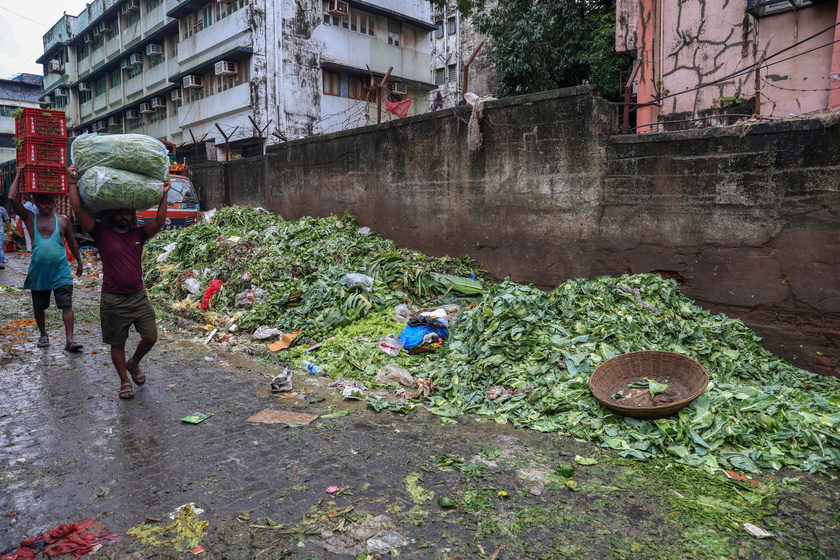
x: 120, y: 253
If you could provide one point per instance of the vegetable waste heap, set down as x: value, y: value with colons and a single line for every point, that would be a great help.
x: 517, y: 354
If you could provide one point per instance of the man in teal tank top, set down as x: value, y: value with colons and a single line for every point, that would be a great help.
x: 49, y: 271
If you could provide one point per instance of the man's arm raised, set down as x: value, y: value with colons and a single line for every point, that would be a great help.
x: 153, y: 227
x: 85, y: 219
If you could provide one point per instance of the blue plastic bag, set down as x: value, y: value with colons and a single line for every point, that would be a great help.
x: 412, y: 336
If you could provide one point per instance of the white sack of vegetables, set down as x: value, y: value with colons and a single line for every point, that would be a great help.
x: 137, y: 153
x: 104, y: 188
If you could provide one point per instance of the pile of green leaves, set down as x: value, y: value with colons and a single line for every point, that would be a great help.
x: 758, y: 413
x: 302, y: 266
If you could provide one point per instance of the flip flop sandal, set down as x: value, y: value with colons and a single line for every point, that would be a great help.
x: 73, y: 347
x: 126, y: 391
x: 43, y: 342
x: 137, y: 376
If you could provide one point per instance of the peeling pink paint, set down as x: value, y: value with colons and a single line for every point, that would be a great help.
x: 697, y: 55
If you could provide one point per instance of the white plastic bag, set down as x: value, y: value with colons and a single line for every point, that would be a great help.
x: 362, y: 280
x: 391, y: 344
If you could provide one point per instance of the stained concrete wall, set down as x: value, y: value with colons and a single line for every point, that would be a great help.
x: 746, y: 218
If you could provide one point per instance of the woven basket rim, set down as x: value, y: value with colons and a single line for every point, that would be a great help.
x: 650, y: 410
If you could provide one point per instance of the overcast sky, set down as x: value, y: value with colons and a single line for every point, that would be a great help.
x: 23, y: 24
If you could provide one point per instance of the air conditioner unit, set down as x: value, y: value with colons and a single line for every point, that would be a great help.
x: 176, y: 94
x: 131, y: 6
x: 100, y: 125
x: 225, y: 68
x: 56, y: 66
x: 146, y: 108
x: 132, y: 115
x: 338, y: 7
x: 154, y: 50
x: 193, y: 81
x: 96, y: 32
x: 47, y: 100
x: 60, y: 92
x: 84, y: 86
x: 105, y: 27
x: 135, y: 59
x: 126, y: 65
x: 399, y: 88
x: 114, y: 121
x: 89, y: 38
x: 158, y: 102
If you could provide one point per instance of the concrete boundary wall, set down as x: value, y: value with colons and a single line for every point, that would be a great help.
x: 747, y: 218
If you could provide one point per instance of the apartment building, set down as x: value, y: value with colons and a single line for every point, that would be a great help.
x: 219, y: 75
x: 457, y: 46
x: 24, y: 90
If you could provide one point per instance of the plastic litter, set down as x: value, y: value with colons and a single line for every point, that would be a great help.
x: 192, y: 285
x: 393, y: 373
x: 313, y: 368
x: 213, y: 289
x: 402, y: 313
x: 264, y: 332
x: 362, y: 280
x: 364, y: 230
x: 283, y: 382
x: 390, y: 344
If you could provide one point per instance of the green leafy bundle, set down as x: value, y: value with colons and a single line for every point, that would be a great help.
x: 105, y: 188
x: 137, y: 153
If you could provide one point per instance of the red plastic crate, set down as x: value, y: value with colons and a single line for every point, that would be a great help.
x: 42, y: 151
x: 41, y: 123
x: 48, y: 179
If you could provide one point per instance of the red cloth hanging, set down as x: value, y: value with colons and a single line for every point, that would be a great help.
x: 398, y: 108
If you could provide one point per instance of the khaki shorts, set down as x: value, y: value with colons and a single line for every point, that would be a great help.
x: 118, y: 312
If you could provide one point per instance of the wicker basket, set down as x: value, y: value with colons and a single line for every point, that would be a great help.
x: 686, y: 379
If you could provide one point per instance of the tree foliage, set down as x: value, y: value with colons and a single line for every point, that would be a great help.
x: 538, y: 45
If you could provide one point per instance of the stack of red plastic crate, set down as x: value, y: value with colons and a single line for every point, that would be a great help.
x: 42, y: 150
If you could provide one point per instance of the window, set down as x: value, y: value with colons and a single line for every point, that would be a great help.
x: 153, y: 4
x: 160, y: 115
x: 100, y: 86
x: 197, y: 21
x: 135, y: 71
x: 225, y: 9
x: 131, y: 19
x: 453, y: 73
x: 97, y: 43
x: 194, y: 94
x: 438, y: 29
x: 137, y: 123
x: 450, y: 23
x: 366, y: 25
x: 332, y: 83
x: 356, y: 87
x: 226, y: 82
x: 84, y: 52
x: 394, y: 32
x: 116, y: 78
x: 155, y: 60
x: 84, y: 96
x: 113, y: 34
x: 440, y: 76
x: 761, y: 8
x: 177, y: 40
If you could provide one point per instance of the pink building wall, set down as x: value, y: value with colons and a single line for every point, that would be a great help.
x: 683, y: 45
